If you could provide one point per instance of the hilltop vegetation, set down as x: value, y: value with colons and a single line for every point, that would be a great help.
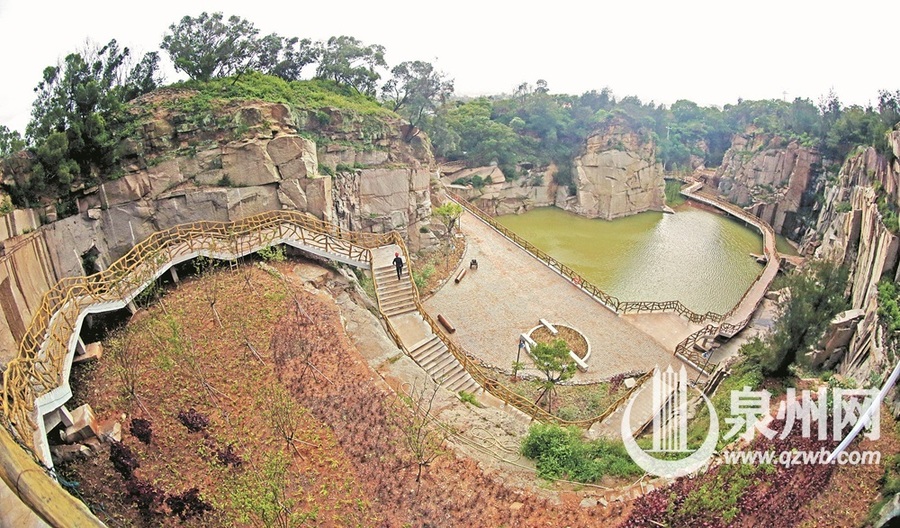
x: 80, y: 116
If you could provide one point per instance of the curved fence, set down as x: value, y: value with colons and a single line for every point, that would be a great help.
x: 610, y: 301
x: 726, y: 325
x: 472, y: 365
x: 36, y: 381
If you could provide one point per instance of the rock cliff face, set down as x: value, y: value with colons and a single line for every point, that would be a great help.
x: 851, y: 230
x: 617, y: 175
x: 771, y: 177
x: 244, y: 159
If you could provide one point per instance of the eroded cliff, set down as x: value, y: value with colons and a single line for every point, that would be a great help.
x: 853, y: 229
x: 771, y: 177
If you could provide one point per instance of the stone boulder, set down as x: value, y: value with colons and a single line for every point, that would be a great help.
x: 618, y: 175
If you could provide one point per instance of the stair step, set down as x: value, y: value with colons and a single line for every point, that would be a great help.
x: 454, y: 377
x: 394, y: 313
x: 392, y: 272
x: 396, y: 287
x: 422, y: 343
x: 441, y: 364
x: 428, y: 353
x: 398, y: 303
x: 467, y: 384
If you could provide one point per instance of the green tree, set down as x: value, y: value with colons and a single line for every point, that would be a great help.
x: 816, y: 296
x: 77, y: 113
x: 209, y: 46
x: 415, y: 91
x: 347, y: 61
x: 10, y: 141
x: 285, y: 57
x: 889, y: 107
x: 448, y: 214
x: 555, y: 363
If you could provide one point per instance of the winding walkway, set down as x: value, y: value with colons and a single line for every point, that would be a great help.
x: 739, y: 316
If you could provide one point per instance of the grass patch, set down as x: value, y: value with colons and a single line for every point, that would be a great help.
x: 562, y: 453
x: 468, y: 397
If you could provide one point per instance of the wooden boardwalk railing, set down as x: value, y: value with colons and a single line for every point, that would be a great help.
x: 728, y: 323
x: 472, y: 365
x: 36, y: 381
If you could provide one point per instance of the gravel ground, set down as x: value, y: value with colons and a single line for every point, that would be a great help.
x: 511, y: 291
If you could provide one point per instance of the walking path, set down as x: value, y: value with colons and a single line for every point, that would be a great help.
x: 739, y: 316
x: 511, y: 291
x: 396, y: 300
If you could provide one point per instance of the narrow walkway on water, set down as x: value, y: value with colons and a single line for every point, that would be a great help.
x: 511, y: 291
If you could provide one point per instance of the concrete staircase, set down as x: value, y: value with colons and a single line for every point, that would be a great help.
x: 396, y: 296
x: 432, y: 355
x: 397, y: 300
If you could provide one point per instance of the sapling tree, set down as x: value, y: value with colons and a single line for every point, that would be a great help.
x: 554, y: 362
x: 421, y: 434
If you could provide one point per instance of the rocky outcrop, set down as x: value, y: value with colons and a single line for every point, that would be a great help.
x: 502, y: 196
x: 851, y: 230
x: 617, y: 175
x: 243, y: 159
x: 770, y: 177
x: 386, y: 199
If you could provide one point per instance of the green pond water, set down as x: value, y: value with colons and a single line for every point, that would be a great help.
x: 695, y: 256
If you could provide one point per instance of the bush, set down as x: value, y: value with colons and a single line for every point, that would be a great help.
x: 123, y: 459
x: 142, y: 430
x: 272, y: 254
x: 144, y: 495
x: 193, y: 420
x: 562, y: 453
x: 228, y: 457
x: 188, y: 504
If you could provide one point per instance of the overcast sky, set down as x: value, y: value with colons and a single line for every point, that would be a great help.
x: 709, y: 51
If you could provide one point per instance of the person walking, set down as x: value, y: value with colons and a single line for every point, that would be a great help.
x: 398, y: 263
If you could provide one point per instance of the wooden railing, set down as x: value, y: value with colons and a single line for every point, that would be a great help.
x: 685, y: 349
x: 39, y: 373
x: 471, y: 364
x: 610, y: 301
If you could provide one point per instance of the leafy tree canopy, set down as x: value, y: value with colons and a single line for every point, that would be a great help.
x: 346, y: 60
x: 209, y: 46
x: 78, y: 105
x: 10, y: 141
x: 416, y: 90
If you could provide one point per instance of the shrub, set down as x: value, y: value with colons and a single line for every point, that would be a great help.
x: 228, y: 457
x: 142, y: 430
x: 188, y: 504
x: 193, y: 420
x: 123, y: 459
x: 144, y: 495
x: 562, y: 453
x: 468, y: 397
x: 272, y: 254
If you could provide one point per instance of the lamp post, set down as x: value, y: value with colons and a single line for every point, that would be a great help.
x: 518, y: 356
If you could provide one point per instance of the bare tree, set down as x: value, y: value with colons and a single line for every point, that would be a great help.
x: 127, y: 364
x: 421, y: 432
x: 284, y: 415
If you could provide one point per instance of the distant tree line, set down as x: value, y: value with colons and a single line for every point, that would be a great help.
x: 533, y: 126
x: 78, y: 118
